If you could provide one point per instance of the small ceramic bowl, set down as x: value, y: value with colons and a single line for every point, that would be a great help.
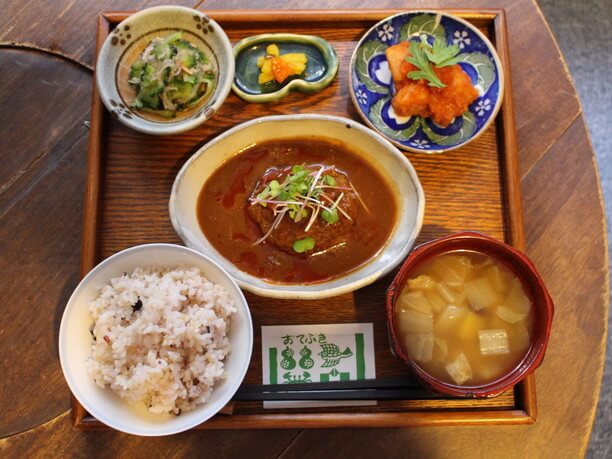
x: 533, y: 286
x: 75, y: 344
x: 372, y: 147
x: 321, y: 68
x: 371, y: 85
x: 123, y: 47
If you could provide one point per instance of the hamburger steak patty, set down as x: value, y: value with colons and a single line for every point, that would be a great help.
x: 326, y: 235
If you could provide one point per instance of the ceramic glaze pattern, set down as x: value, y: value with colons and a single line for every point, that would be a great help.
x: 372, y: 86
x: 321, y: 67
x: 120, y: 109
x: 362, y: 141
x: 203, y: 23
x: 114, y: 58
x: 75, y: 342
x: 118, y: 35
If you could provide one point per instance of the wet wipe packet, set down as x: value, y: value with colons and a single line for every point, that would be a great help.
x: 317, y: 353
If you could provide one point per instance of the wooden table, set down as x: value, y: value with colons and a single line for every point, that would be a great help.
x: 45, y: 89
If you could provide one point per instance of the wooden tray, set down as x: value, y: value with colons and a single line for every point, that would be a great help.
x: 477, y: 187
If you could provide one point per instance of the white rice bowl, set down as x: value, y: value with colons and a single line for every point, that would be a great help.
x: 160, y: 337
x: 106, y: 404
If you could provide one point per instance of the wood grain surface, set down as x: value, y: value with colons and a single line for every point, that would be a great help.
x: 476, y: 187
x: 41, y: 190
x: 564, y: 223
x: 64, y: 27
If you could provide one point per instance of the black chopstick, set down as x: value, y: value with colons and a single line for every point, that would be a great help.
x: 386, y: 388
x: 357, y: 394
x: 378, y: 383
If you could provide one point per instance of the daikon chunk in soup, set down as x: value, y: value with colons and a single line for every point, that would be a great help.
x: 465, y: 318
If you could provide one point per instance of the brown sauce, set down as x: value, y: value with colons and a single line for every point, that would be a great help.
x: 226, y: 223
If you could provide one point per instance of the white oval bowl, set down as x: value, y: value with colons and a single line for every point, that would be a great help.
x: 364, y: 142
x: 150, y: 21
x: 75, y: 344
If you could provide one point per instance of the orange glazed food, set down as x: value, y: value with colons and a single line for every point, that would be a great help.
x: 442, y: 102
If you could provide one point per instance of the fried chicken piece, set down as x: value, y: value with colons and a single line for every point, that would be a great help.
x: 396, y: 55
x: 452, y: 100
x: 416, y: 97
x: 412, y: 99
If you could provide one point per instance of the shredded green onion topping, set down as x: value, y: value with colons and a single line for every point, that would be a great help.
x: 304, y: 193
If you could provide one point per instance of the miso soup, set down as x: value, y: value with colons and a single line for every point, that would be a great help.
x: 464, y: 318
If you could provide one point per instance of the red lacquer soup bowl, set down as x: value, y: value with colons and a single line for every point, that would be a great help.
x: 533, y: 286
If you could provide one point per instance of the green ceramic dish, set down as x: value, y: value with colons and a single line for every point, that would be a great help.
x: 321, y: 68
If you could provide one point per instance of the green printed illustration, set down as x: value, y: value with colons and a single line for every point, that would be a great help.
x: 288, y: 362
x: 312, y: 354
x: 332, y: 355
x: 296, y: 379
x: 306, y: 361
x: 360, y: 356
x: 326, y: 377
x: 307, y: 338
x: 273, y: 362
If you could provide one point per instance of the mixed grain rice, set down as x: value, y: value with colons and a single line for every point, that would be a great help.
x: 160, y: 337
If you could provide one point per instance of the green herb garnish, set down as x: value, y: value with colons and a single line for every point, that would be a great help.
x: 424, y: 56
x: 304, y: 245
x: 304, y: 193
x: 330, y: 216
x: 329, y: 180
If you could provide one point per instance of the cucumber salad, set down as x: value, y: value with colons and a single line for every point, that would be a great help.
x: 171, y: 75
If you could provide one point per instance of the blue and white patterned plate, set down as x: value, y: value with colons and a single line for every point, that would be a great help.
x: 372, y: 86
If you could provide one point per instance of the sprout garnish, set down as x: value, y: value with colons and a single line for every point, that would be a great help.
x: 304, y: 245
x: 302, y: 194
